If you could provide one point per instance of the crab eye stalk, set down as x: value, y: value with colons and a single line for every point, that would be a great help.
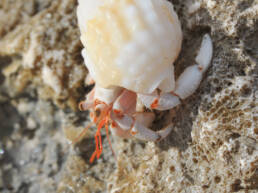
x: 97, y: 113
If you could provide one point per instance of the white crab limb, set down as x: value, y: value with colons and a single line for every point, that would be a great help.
x: 105, y: 95
x: 144, y: 133
x: 126, y: 102
x: 204, y: 56
x: 126, y: 122
x: 147, y: 99
x: 122, y: 125
x: 165, y: 131
x: 138, y: 127
x: 186, y: 84
x: 165, y: 100
x: 190, y: 79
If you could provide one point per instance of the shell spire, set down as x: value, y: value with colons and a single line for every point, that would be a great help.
x: 130, y: 43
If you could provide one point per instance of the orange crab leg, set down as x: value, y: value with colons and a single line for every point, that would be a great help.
x: 93, y: 156
x: 100, y: 146
x: 98, y: 141
x: 96, y: 149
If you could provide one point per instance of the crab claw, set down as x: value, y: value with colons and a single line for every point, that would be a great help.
x: 190, y: 79
x: 88, y: 103
x: 137, y: 126
x: 204, y: 56
x: 141, y: 132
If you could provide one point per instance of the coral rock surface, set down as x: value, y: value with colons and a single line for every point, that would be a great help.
x: 214, y: 143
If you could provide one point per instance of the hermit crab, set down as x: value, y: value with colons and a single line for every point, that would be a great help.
x: 129, y: 50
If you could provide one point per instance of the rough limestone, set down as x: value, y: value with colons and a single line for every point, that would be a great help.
x: 214, y: 143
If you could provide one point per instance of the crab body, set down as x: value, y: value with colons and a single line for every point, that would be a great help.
x: 129, y: 50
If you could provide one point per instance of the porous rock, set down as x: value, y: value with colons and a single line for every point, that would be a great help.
x: 212, y: 147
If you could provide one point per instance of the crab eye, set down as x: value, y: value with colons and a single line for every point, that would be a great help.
x: 97, y: 112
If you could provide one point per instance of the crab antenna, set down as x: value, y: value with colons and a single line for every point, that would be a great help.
x: 109, y: 142
x: 81, y: 134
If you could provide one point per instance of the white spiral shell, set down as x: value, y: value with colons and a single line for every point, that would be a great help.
x: 130, y: 43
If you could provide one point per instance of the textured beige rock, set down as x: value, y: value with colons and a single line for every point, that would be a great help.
x: 44, y: 36
x: 212, y: 148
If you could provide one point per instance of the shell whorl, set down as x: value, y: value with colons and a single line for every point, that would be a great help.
x: 131, y: 43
